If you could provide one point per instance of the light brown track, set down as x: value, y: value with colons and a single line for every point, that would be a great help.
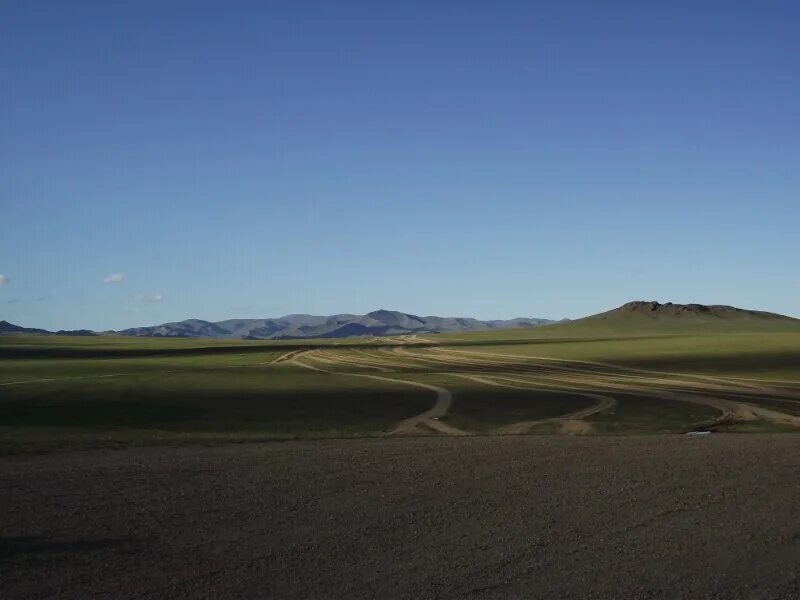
x: 364, y: 361
x: 416, y: 424
x: 570, y: 422
x: 287, y: 356
x: 622, y: 370
x: 322, y: 357
x: 731, y: 411
x: 566, y: 376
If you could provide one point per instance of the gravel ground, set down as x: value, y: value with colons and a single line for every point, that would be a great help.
x: 477, y: 517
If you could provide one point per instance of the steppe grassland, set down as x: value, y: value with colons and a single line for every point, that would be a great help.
x: 579, y: 378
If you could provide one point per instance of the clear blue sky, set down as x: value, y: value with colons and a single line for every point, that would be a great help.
x: 487, y: 159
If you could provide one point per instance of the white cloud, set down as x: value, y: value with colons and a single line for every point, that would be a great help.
x: 3, y: 280
x: 148, y: 298
x: 114, y: 278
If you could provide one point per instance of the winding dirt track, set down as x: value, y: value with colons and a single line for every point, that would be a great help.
x: 429, y: 418
x: 570, y: 423
x: 735, y: 382
x: 591, y: 377
x: 596, y: 380
x: 284, y: 357
x: 625, y: 380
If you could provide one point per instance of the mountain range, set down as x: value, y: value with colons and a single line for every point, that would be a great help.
x: 379, y: 322
x: 390, y: 322
x: 10, y: 328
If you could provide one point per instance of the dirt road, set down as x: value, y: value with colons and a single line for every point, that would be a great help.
x: 599, y: 381
x: 570, y: 423
x: 428, y: 419
x: 435, y: 517
x: 583, y: 376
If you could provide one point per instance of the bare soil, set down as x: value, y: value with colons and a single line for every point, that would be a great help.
x: 438, y: 517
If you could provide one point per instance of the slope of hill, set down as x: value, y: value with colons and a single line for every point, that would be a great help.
x: 644, y: 315
x: 10, y: 328
x: 7, y: 328
x: 379, y: 322
x: 655, y: 311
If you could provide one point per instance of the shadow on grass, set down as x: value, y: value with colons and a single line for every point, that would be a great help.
x: 216, y: 409
x: 40, y: 546
x: 482, y: 410
x: 749, y: 362
x: 96, y: 413
x: 643, y: 414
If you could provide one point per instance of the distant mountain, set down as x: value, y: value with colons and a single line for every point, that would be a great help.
x: 633, y: 315
x: 643, y: 311
x: 78, y: 332
x: 6, y: 327
x: 10, y: 328
x: 379, y: 322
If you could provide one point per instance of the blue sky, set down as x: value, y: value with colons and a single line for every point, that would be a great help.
x: 252, y: 159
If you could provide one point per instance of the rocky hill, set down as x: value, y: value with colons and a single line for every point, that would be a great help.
x: 643, y: 310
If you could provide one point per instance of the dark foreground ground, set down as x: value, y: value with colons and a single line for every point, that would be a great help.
x: 480, y: 517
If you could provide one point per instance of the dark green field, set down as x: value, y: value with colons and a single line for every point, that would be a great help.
x: 593, y: 377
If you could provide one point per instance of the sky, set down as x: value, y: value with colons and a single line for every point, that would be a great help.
x: 193, y: 159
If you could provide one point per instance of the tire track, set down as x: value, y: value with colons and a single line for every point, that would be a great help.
x: 570, y: 423
x: 629, y: 371
x: 731, y: 411
x: 428, y: 419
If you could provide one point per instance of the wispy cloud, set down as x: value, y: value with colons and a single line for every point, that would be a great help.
x: 3, y: 280
x: 114, y: 278
x: 148, y: 298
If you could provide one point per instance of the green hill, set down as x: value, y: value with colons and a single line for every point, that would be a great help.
x: 646, y: 320
x: 696, y: 313
x: 654, y: 316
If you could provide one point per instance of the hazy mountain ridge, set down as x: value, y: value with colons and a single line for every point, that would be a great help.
x: 6, y: 327
x: 9, y: 329
x: 379, y: 322
x: 639, y: 313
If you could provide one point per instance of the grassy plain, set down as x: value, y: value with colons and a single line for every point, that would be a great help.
x: 577, y: 378
x: 741, y: 349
